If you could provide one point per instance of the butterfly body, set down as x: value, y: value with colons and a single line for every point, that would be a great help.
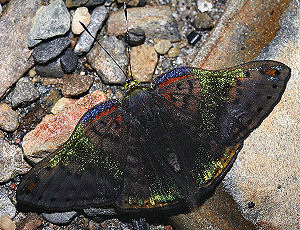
x: 162, y: 145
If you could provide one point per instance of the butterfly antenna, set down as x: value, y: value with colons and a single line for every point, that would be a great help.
x: 112, y: 58
x: 127, y: 40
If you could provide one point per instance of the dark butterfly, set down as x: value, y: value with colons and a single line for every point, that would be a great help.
x: 162, y: 145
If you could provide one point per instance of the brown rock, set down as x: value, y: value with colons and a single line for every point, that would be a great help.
x: 203, y: 21
x: 6, y: 223
x: 162, y: 46
x: 13, y: 41
x: 9, y: 119
x: 143, y: 62
x: 54, y: 130
x: 156, y: 21
x: 76, y: 84
x: 130, y: 2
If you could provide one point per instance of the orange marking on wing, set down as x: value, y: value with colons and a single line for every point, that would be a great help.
x: 170, y: 80
x: 271, y: 72
x: 31, y: 186
x: 105, y: 113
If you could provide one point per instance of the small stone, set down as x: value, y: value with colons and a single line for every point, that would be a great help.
x: 62, y: 105
x: 136, y: 37
x: 69, y: 61
x: 52, y: 69
x: 203, y: 21
x: 86, y: 3
x: 204, y: 5
x: 6, y: 223
x: 81, y: 15
x: 75, y: 84
x: 9, y: 119
x: 12, y: 162
x: 193, y: 37
x: 156, y: 21
x: 54, y: 130
x: 31, y: 222
x: 32, y: 72
x: 130, y: 2
x: 49, y: 21
x: 173, y: 52
x: 0, y: 10
x: 60, y: 217
x: 143, y: 60
x: 162, y: 46
x: 104, y: 65
x: 49, y: 50
x: 85, y: 40
x: 6, y: 206
x: 32, y: 118
x: 24, y: 93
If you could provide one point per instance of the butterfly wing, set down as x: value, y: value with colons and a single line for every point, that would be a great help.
x: 86, y: 171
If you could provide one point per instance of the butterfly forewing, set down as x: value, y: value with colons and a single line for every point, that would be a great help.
x: 161, y: 145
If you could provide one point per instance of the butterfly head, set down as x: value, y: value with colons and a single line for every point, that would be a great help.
x: 132, y: 86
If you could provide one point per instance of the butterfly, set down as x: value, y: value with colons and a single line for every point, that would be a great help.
x: 160, y: 147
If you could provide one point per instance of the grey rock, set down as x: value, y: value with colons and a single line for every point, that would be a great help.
x: 24, y: 93
x: 53, y: 69
x: 60, y: 217
x: 69, y: 61
x: 49, y: 50
x: 0, y: 10
x: 103, y: 64
x: 99, y: 211
x: 14, y: 50
x: 6, y: 206
x: 136, y: 37
x: 86, y: 3
x: 12, y: 162
x: 49, y: 21
x: 85, y: 41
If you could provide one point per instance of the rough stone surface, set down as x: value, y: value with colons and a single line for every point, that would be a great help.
x: 85, y: 40
x: 49, y: 21
x: 11, y: 161
x: 47, y: 51
x: 69, y: 61
x: 60, y: 217
x: 13, y: 41
x: 202, y: 21
x: 0, y: 10
x: 76, y: 84
x: 6, y: 223
x: 156, y: 21
x: 267, y: 170
x: 24, y: 93
x: 81, y: 15
x: 136, y: 37
x: 162, y: 46
x: 9, y: 119
x: 104, y: 65
x: 52, y: 69
x: 54, y: 130
x: 143, y: 62
x: 173, y: 52
x: 86, y: 3
x: 31, y: 222
x: 6, y: 206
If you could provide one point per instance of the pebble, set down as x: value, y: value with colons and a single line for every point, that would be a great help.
x: 49, y: 50
x: 31, y: 222
x: 193, y: 37
x: 204, y: 5
x: 12, y: 162
x: 104, y: 65
x: 24, y: 93
x: 143, y: 61
x: 131, y: 2
x: 49, y: 21
x: 60, y: 217
x: 76, y: 84
x: 81, y: 15
x: 6, y: 223
x: 52, y: 69
x: 0, y: 9
x: 156, y: 21
x: 54, y: 130
x: 173, y: 52
x: 9, y: 119
x: 6, y: 206
x: 85, y: 41
x: 202, y: 21
x: 86, y: 3
x: 32, y: 72
x: 69, y: 61
x: 162, y: 46
x: 136, y: 37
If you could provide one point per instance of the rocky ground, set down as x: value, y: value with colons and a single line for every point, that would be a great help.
x: 52, y: 72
